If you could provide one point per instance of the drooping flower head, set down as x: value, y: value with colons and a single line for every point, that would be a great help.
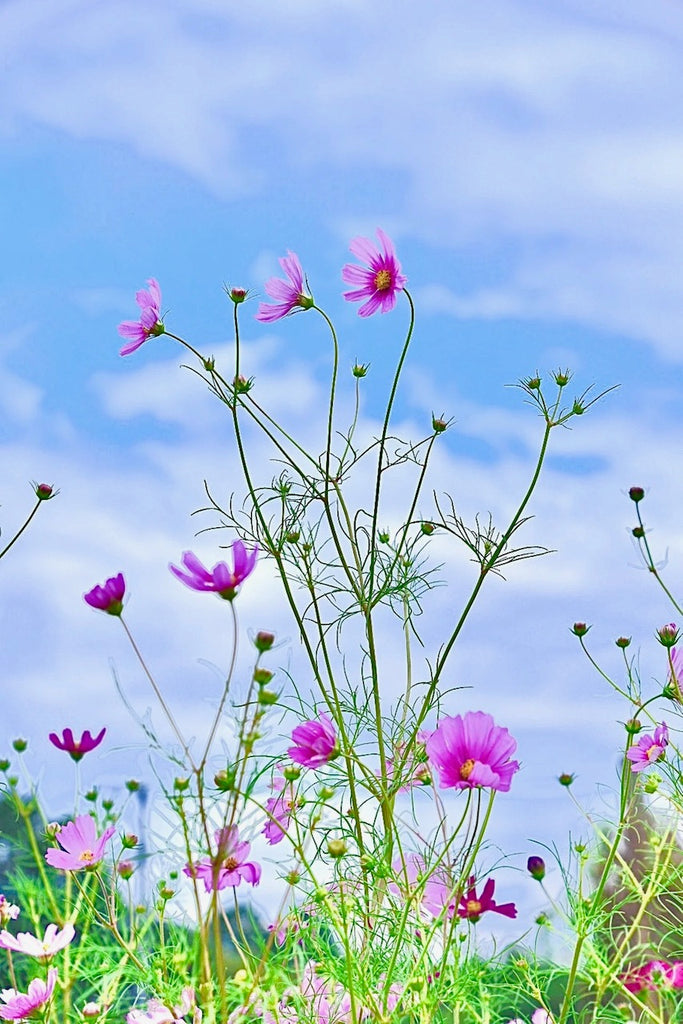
x: 380, y: 282
x: 109, y: 597
x: 470, y: 750
x: 42, y: 949
x: 221, y: 580
x: 472, y: 906
x: 649, y: 748
x: 280, y: 807
x: 315, y: 743
x: 290, y: 295
x: 77, y: 748
x: 149, y: 325
x: 81, y: 846
x: 20, y: 1005
x: 230, y: 864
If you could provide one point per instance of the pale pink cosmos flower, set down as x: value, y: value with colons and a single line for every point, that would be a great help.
x: 158, y: 1013
x: 149, y: 325
x: 76, y: 748
x: 378, y: 284
x: 8, y: 911
x: 19, y: 1005
x: 649, y: 748
x: 315, y: 743
x: 290, y: 295
x: 470, y: 750
x: 43, y: 949
x: 539, y: 1016
x: 109, y: 597
x: 221, y: 580
x: 230, y: 864
x: 81, y: 846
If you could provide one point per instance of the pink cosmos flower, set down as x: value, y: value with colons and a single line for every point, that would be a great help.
x: 109, y: 597
x: 18, y: 1005
x: 290, y: 295
x: 648, y: 748
x: 229, y: 866
x: 381, y: 282
x: 149, y: 325
x: 315, y: 743
x: 473, y: 906
x: 280, y: 807
x: 655, y: 974
x: 81, y: 846
x: 44, y: 948
x: 8, y: 911
x: 221, y: 580
x: 77, y: 748
x: 470, y: 751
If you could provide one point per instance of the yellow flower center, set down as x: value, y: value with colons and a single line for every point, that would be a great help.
x: 230, y: 863
x: 86, y: 856
x: 382, y: 280
x: 473, y: 908
x: 466, y: 768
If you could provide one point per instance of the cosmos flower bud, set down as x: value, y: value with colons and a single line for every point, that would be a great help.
x: 44, y: 492
x: 20, y: 745
x: 263, y: 641
x: 668, y: 635
x: 336, y: 847
x: 238, y: 295
x: 580, y: 629
x: 623, y: 642
x: 536, y: 868
x: 565, y: 779
x: 636, y: 494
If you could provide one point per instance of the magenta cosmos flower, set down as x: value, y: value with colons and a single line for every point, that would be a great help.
x: 472, y: 906
x: 81, y: 846
x: 380, y: 282
x: 76, y: 748
x: 109, y: 597
x: 149, y: 325
x: 221, y: 580
x: 315, y: 743
x: 648, y: 748
x: 470, y: 750
x: 19, y: 1005
x: 8, y: 911
x: 229, y: 866
x: 289, y: 294
x: 42, y: 949
x: 655, y: 974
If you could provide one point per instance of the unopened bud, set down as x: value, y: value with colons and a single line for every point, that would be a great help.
x: 44, y: 492
x: 132, y: 785
x: 536, y: 868
x: 638, y: 532
x: 238, y: 295
x: 360, y: 369
x: 623, y: 642
x: 580, y: 629
x: 262, y: 676
x: 125, y: 869
x: 263, y: 641
x: 91, y: 795
x: 326, y: 793
x: 439, y: 424
x: 636, y: 494
x: 181, y: 784
x: 562, y: 378
x: 225, y: 780
x: 336, y: 847
x: 91, y: 1010
x: 129, y: 840
x: 4, y: 764
x: 427, y: 529
x: 293, y: 877
x: 565, y: 779
x: 20, y: 745
x: 668, y: 635
x: 268, y: 697
x: 107, y: 804
x: 291, y: 772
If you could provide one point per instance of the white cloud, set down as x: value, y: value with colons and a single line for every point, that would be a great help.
x: 558, y: 130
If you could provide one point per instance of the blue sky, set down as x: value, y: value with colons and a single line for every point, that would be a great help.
x: 526, y: 158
